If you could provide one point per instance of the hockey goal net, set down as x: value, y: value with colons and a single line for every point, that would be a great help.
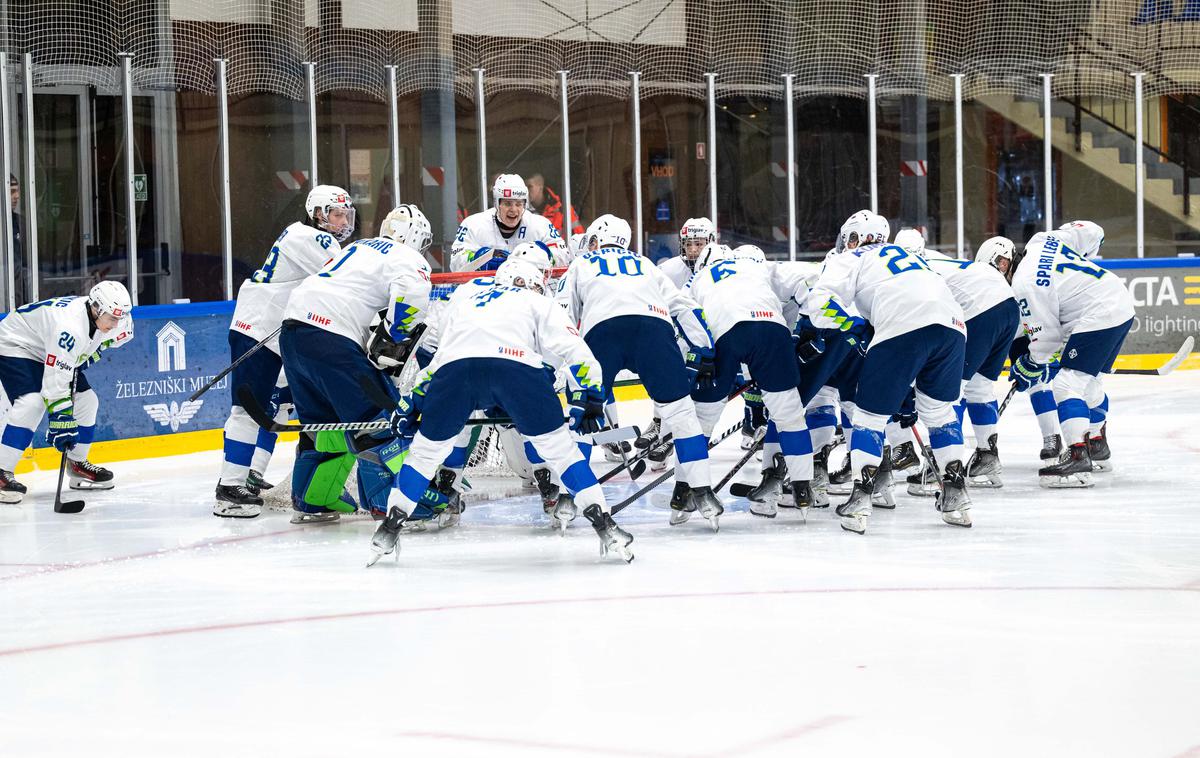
x: 492, y: 463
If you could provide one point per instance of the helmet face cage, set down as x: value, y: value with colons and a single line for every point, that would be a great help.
x: 693, y: 236
x: 324, y: 198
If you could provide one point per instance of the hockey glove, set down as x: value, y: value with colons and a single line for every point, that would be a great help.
x: 756, y: 411
x: 1026, y: 372
x: 702, y: 367
x: 859, y: 335
x: 405, y: 419
x: 498, y: 257
x: 587, y: 410
x: 807, y: 340
x: 62, y: 431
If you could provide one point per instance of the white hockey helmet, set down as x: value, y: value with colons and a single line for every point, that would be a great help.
x: 510, y: 187
x: 911, y: 240
x: 995, y: 249
x: 406, y: 224
x: 712, y: 252
x: 1089, y: 237
x: 536, y: 254
x: 608, y: 231
x: 322, y: 198
x: 863, y: 228
x: 753, y: 252
x: 110, y: 298
x: 520, y: 273
x: 695, y: 230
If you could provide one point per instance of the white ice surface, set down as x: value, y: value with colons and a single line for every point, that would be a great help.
x: 1066, y: 623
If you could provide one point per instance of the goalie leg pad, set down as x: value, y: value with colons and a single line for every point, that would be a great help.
x: 320, y: 474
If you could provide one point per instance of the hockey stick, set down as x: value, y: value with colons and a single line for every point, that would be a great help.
x: 254, y: 349
x: 1007, y: 399
x: 930, y: 461
x: 665, y: 439
x: 386, y: 402
x: 759, y: 436
x: 71, y: 506
x: 1180, y: 356
x: 670, y: 472
x: 635, y: 470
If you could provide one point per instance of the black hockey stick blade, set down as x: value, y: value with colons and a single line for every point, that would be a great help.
x: 70, y: 506
x: 741, y: 489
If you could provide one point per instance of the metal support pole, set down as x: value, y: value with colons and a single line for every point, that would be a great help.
x: 712, y: 148
x: 1140, y: 156
x: 130, y: 195
x: 310, y: 86
x: 226, y: 198
x: 481, y: 123
x: 1047, y: 151
x: 958, y: 164
x: 636, y: 95
x: 394, y: 131
x: 790, y: 121
x: 31, y: 218
x: 566, y: 158
x: 872, y: 143
x: 10, y: 278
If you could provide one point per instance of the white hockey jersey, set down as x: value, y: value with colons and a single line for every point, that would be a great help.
x: 736, y: 289
x: 486, y: 320
x: 797, y: 277
x: 896, y: 291
x: 344, y: 296
x: 56, y: 333
x: 676, y: 270
x: 1062, y: 293
x: 479, y: 234
x: 298, y: 253
x: 976, y: 286
x: 610, y: 282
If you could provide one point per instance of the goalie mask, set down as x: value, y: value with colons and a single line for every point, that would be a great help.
x: 406, y: 224
x: 693, y: 236
x: 522, y: 274
x: 336, y: 211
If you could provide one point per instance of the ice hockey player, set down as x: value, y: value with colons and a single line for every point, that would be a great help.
x: 742, y: 297
x: 992, y: 318
x: 628, y: 311
x: 694, y: 235
x: 484, y: 239
x: 328, y: 348
x: 1070, y: 304
x: 43, y: 347
x: 919, y: 335
x: 301, y: 250
x: 492, y: 349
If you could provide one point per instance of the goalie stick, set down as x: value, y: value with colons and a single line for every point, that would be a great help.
x: 670, y: 472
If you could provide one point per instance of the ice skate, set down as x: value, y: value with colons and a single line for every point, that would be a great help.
x: 854, y: 513
x: 681, y: 505
x: 841, y: 482
x: 256, y: 484
x: 450, y: 512
x: 307, y: 517
x: 563, y: 513
x: 650, y: 436
x: 1098, y: 450
x: 613, y: 451
x: 820, y: 480
x: 1051, y: 447
x: 11, y: 491
x: 1073, y: 469
x: 547, y: 489
x: 924, y: 483
x: 881, y: 495
x: 85, y: 475
x: 702, y: 499
x: 983, y: 469
x: 904, y: 457
x: 747, y: 441
x: 803, y: 497
x: 613, y: 538
x: 235, y: 501
x: 384, y: 541
x: 764, y: 498
x: 952, y: 500
x: 660, y: 455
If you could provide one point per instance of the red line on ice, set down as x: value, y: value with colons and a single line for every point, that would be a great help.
x: 227, y: 626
